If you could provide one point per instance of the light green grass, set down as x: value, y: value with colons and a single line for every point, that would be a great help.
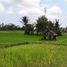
x: 16, y: 37
x: 10, y: 38
x: 34, y: 55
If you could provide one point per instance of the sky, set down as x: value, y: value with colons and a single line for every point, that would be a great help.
x: 11, y: 11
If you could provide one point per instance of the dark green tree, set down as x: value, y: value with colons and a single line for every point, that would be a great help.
x: 28, y: 28
x: 24, y: 20
x: 57, y: 28
x: 46, y: 28
x: 50, y: 25
x: 41, y: 25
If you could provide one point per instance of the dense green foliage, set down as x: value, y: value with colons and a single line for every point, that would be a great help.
x: 57, y: 28
x: 28, y: 28
x: 47, y: 28
x: 10, y: 26
x: 41, y: 25
x: 24, y: 20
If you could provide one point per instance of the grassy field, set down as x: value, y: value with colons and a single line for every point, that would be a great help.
x: 19, y: 50
x: 14, y: 37
x: 34, y: 55
x: 11, y: 38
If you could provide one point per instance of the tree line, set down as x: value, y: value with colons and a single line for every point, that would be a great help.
x: 42, y: 24
x: 43, y: 27
x: 8, y: 27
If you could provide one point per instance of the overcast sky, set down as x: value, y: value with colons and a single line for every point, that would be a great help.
x: 12, y: 10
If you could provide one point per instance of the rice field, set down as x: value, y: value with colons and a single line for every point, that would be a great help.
x: 19, y: 50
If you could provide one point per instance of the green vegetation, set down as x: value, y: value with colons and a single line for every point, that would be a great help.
x: 28, y: 28
x: 34, y: 55
x: 18, y: 37
x: 30, y: 51
x: 41, y: 44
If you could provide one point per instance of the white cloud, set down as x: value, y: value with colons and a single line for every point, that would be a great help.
x: 54, y: 12
x: 31, y: 7
x: 22, y: 7
x: 28, y: 2
x: 6, y: 1
x: 65, y: 0
x: 10, y: 10
x: 2, y: 9
x: 34, y: 8
x: 23, y: 12
x: 36, y: 11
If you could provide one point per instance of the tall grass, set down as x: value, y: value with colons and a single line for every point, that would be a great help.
x: 40, y: 55
x: 32, y: 52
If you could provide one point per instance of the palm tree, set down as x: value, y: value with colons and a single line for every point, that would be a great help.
x: 25, y: 20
